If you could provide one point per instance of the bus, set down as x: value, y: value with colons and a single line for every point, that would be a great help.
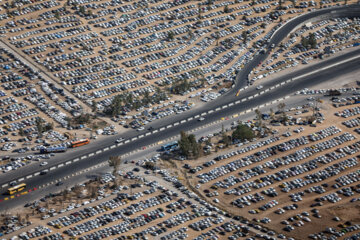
x: 79, y: 143
x: 53, y: 150
x: 169, y: 146
x: 17, y: 188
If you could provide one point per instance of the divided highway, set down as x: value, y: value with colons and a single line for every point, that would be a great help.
x: 226, y: 105
x: 334, y: 72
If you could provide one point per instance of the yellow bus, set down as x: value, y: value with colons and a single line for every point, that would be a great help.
x: 16, y: 188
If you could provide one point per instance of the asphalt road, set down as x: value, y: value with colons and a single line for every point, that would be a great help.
x: 285, y: 29
x: 308, y: 81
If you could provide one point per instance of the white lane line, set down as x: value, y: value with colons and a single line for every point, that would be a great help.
x: 119, y: 144
x: 225, y: 106
x: 190, y: 118
x: 177, y: 123
x: 203, y: 114
x: 68, y: 162
x: 83, y: 157
x: 182, y: 121
x: 210, y: 111
x: 250, y: 97
x: 155, y: 131
x: 217, y: 109
x: 169, y: 126
x: 29, y: 176
x: 37, y: 173
x: 134, y: 138
x: 197, y: 116
x: 52, y: 168
x: 76, y: 159
x: 91, y: 154
x: 141, y: 136
x: 5, y: 185
x: 20, y: 179
x: 230, y: 104
x: 127, y: 141
x: 161, y: 129
x: 105, y: 149
x: 98, y: 151
x: 147, y: 134
x: 112, y: 146
x: 61, y: 164
x: 237, y: 102
x: 256, y: 95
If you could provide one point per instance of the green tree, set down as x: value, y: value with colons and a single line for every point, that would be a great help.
x: 194, y: 146
x: 82, y: 9
x: 184, y: 144
x: 39, y: 125
x: 293, y: 2
x: 258, y: 117
x: 226, y: 9
x: 57, y: 15
x: 304, y: 41
x: 312, y: 40
x: 244, y: 36
x: 115, y: 162
x: 115, y: 106
x: 171, y: 36
x: 94, y: 106
x: 243, y: 132
x: 21, y: 132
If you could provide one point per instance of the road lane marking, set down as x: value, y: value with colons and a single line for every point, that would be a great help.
x: 112, y: 146
x: 91, y: 154
x: 37, y: 173
x: 60, y: 165
x: 190, y: 118
x: 83, y: 157
x: 52, y: 168
x: 29, y: 176
x: 105, y: 149
x: 21, y: 179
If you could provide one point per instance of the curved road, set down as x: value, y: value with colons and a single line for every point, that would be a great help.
x: 156, y: 135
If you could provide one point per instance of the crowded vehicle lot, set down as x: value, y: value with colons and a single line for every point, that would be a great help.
x: 290, y: 182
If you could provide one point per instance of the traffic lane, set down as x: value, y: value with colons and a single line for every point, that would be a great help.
x: 110, y: 140
x: 267, y: 97
x: 149, y: 152
x: 344, y: 11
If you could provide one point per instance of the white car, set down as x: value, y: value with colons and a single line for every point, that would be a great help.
x: 140, y: 129
x: 119, y: 140
x: 259, y: 87
x: 201, y: 119
x: 43, y: 163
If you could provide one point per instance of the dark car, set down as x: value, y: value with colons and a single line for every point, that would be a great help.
x: 59, y: 183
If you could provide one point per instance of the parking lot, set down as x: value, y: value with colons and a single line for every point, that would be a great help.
x: 93, y: 54
x: 294, y: 183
